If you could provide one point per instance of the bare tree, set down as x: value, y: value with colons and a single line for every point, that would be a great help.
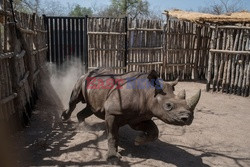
x: 223, y: 6
x: 28, y: 6
x: 53, y: 7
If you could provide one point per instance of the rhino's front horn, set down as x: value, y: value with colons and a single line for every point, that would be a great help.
x: 182, y: 94
x: 192, y: 102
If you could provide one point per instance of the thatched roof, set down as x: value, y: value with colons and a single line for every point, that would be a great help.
x: 240, y: 17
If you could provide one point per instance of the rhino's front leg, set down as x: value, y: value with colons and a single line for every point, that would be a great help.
x: 150, y: 132
x: 112, y: 131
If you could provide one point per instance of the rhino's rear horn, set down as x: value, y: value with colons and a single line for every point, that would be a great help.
x: 192, y: 102
x: 182, y: 94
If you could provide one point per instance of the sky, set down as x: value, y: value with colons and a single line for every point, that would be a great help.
x: 158, y: 5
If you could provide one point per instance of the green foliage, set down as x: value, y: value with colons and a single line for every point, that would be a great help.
x: 79, y: 11
x: 131, y: 8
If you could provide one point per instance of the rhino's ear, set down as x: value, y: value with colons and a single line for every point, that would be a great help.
x: 153, y: 75
x: 153, y: 78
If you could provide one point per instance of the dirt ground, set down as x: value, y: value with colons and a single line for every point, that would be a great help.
x: 219, y: 136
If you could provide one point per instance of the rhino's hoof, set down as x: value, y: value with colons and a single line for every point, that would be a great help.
x: 80, y: 118
x: 113, y: 156
x: 65, y: 116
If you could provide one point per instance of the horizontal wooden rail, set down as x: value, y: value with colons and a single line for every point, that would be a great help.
x: 9, y: 98
x: 144, y: 29
x: 230, y: 51
x: 20, y: 55
x: 27, y: 31
x: 230, y: 27
x: 187, y: 49
x: 153, y: 48
x: 107, y: 67
x: 178, y: 33
x: 6, y: 55
x: 145, y: 63
x: 107, y: 33
x: 180, y: 64
x: 103, y: 49
x: 40, y: 31
x: 21, y: 83
x: 40, y: 50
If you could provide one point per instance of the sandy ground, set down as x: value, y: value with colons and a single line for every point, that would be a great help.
x: 219, y: 136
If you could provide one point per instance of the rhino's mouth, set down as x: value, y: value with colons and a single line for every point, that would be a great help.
x: 179, y: 121
x: 182, y: 122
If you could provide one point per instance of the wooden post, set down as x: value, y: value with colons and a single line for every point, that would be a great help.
x: 126, y: 42
x: 45, y: 19
x: 86, y: 43
x: 210, y: 60
x: 15, y: 47
x: 198, y: 45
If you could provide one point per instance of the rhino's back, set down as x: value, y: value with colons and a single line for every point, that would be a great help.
x: 114, y: 99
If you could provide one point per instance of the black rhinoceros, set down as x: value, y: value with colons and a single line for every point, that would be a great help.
x: 132, y: 98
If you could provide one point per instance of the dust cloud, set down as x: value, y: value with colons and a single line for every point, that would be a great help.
x: 57, y: 82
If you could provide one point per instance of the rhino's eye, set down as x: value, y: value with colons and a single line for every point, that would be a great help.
x: 168, y: 106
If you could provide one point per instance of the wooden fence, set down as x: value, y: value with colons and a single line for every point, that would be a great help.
x: 107, y: 43
x: 179, y: 49
x: 22, y: 54
x: 186, y: 50
x: 229, y: 57
x: 145, y: 45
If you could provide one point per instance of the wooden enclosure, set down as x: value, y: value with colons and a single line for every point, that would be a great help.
x: 229, y: 68
x: 107, y: 43
x: 23, y: 52
x: 186, y: 50
x: 178, y: 49
x: 145, y: 45
x: 221, y: 50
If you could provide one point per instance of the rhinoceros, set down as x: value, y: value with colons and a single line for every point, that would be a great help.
x: 132, y: 98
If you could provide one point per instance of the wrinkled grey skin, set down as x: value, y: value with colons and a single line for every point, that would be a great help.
x: 134, y: 107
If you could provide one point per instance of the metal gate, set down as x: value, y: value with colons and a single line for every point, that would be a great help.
x: 95, y: 41
x: 67, y: 39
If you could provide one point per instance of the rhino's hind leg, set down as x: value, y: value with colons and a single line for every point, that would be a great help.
x: 149, y: 129
x: 83, y: 114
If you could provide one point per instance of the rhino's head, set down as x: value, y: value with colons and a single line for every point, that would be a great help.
x: 171, y: 108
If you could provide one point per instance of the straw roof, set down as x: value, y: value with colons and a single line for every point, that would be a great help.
x: 240, y: 17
